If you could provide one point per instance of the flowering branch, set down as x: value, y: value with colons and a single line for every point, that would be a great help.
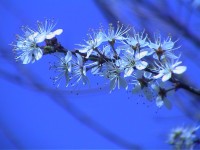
x: 117, y: 55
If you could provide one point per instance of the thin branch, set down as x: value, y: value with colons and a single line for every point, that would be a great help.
x: 57, y: 47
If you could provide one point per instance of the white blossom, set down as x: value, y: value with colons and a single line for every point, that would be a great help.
x: 63, y: 68
x: 161, y: 96
x: 141, y: 81
x: 93, y: 42
x: 167, y: 68
x: 79, y: 70
x: 183, y: 137
x: 45, y: 30
x: 26, y: 47
x: 162, y: 49
x: 131, y: 60
x: 137, y: 42
x: 112, y: 35
x: 97, y: 66
x: 113, y: 73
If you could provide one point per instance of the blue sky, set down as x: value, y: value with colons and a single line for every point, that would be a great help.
x: 36, y: 115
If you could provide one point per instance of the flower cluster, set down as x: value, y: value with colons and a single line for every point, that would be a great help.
x: 27, y: 46
x: 184, y: 138
x: 127, y: 58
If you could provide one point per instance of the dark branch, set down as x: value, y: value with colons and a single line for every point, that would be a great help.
x: 53, y: 46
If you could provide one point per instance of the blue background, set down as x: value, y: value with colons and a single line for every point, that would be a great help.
x: 36, y: 115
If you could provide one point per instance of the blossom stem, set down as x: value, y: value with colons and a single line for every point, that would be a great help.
x: 189, y: 88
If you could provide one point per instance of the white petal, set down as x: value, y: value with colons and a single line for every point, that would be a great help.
x: 148, y: 93
x: 22, y: 44
x: 159, y: 101
x: 179, y: 69
x: 37, y: 54
x: 158, y: 76
x: 40, y: 38
x: 155, y: 56
x: 171, y: 55
x: 168, y: 45
x: 149, y: 50
x: 85, y: 79
x: 67, y: 78
x: 84, y: 50
x: 155, y: 87
x: 147, y: 75
x: 50, y: 35
x: 69, y: 66
x: 106, y: 50
x: 26, y: 59
x: 33, y: 36
x: 79, y: 59
x: 84, y: 70
x: 89, y: 53
x: 123, y: 83
x: 153, y: 46
x: 95, y: 70
x: 113, y: 83
x: 140, y: 55
x: 68, y: 57
x: 140, y: 65
x: 128, y: 71
x: 166, y: 76
x: 176, y: 64
x: 167, y: 103
x: 137, y: 87
x: 58, y: 31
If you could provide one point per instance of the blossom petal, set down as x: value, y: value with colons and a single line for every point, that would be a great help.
x: 137, y: 87
x: 159, y: 101
x: 79, y: 59
x: 123, y: 83
x: 89, y: 53
x: 128, y: 71
x: 26, y: 59
x: 84, y: 71
x: 149, y: 50
x: 113, y: 83
x: 58, y: 31
x: 85, y: 79
x: 33, y: 36
x: 155, y: 56
x: 179, y: 69
x: 50, y: 35
x: 167, y: 103
x: 140, y: 65
x: 40, y: 38
x: 153, y: 46
x: 158, y: 76
x: 140, y: 55
x: 166, y: 77
x: 147, y: 75
x: 84, y: 50
x: 148, y: 93
x: 155, y: 87
x: 167, y: 45
x: 95, y: 70
x: 37, y: 54
x: 69, y: 66
x: 171, y: 55
x: 68, y: 57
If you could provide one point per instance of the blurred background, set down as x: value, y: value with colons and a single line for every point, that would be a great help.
x: 36, y: 115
